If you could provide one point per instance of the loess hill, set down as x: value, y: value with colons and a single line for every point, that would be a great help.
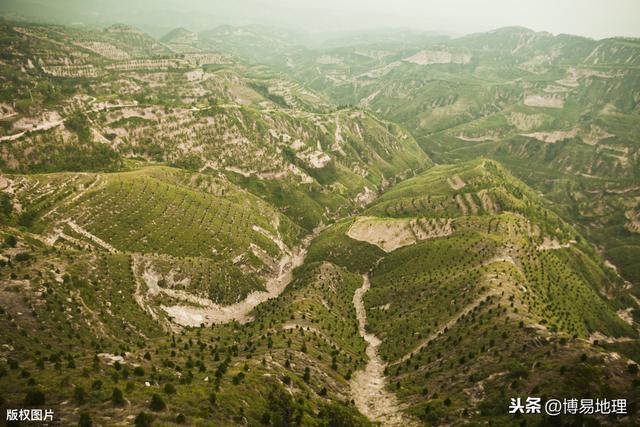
x: 193, y: 233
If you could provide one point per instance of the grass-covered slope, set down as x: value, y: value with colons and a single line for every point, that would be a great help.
x: 190, y: 232
x: 188, y: 236
x: 112, y: 100
x: 475, y: 287
x: 561, y: 112
x: 80, y: 339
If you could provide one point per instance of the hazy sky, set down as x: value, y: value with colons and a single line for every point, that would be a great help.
x: 593, y: 18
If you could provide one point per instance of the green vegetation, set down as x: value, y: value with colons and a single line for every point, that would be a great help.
x: 189, y: 227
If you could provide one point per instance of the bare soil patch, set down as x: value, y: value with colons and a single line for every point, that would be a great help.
x: 391, y: 234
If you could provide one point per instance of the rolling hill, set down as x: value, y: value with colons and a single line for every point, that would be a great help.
x: 230, y: 228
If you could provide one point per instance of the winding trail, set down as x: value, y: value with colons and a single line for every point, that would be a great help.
x: 50, y: 124
x: 368, y: 386
x: 466, y: 310
x: 95, y: 239
x: 46, y: 125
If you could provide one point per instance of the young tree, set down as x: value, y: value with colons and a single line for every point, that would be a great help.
x: 157, y: 404
x: 117, y: 397
x: 34, y: 397
x: 143, y: 420
x: 85, y: 420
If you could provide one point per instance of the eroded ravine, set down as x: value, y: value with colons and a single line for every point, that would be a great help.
x: 201, y: 311
x: 368, y: 387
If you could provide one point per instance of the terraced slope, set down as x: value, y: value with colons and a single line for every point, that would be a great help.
x: 346, y: 150
x: 465, y: 313
x: 560, y: 111
x: 70, y: 313
x: 191, y: 236
x: 199, y: 111
x: 491, y: 280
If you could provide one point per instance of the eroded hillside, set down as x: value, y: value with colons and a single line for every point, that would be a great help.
x: 466, y: 306
x: 560, y: 111
x: 200, y: 230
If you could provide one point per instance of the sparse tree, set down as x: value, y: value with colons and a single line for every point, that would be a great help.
x: 157, y: 404
x: 117, y: 397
